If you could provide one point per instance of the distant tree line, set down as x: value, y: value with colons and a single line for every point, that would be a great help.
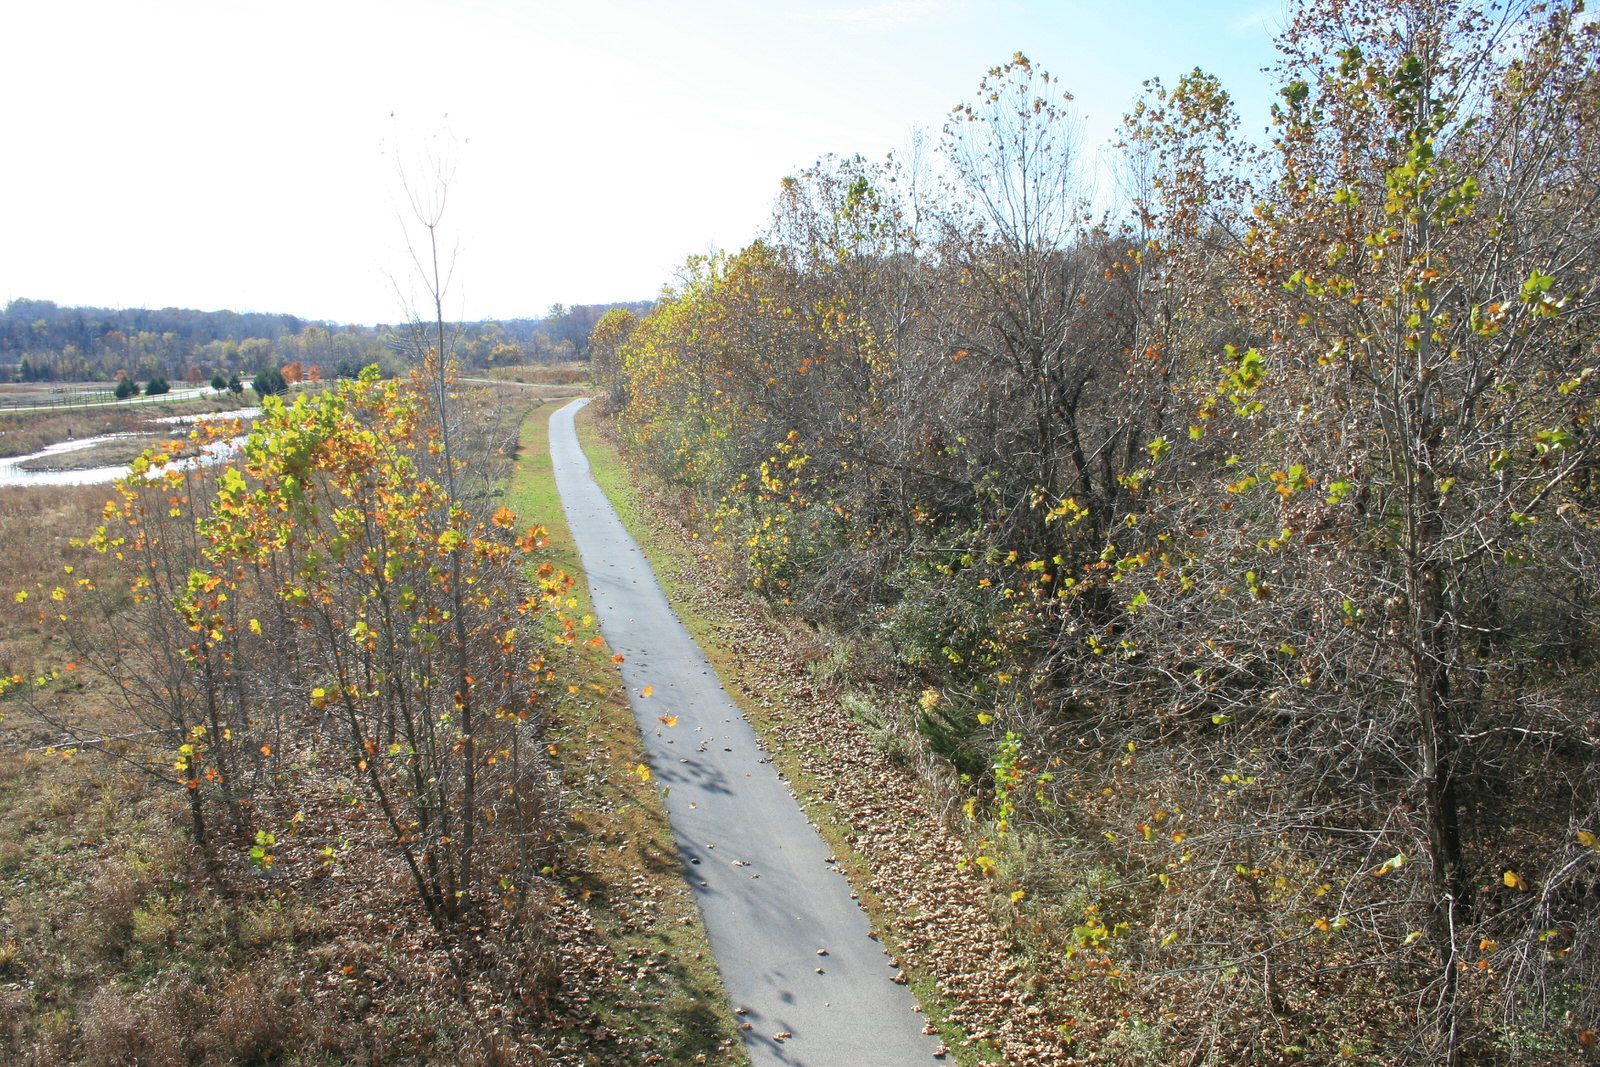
x: 40, y: 341
x: 560, y: 336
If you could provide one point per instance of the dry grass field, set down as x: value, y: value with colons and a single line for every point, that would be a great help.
x: 122, y: 943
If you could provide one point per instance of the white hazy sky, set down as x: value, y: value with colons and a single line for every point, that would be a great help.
x: 217, y: 154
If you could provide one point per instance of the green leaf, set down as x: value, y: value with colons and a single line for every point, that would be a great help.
x: 1538, y: 282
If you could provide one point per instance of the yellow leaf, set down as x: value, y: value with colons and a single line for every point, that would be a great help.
x: 1413, y: 937
x: 642, y: 772
x: 255, y: 626
x: 1393, y: 863
x: 1322, y: 925
x: 1586, y: 838
x: 647, y: 691
x: 1513, y: 880
x: 670, y: 720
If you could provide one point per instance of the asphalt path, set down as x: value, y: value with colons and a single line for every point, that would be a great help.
x: 789, y: 938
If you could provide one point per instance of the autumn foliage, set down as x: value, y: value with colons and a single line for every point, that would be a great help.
x: 327, y: 613
x: 1236, y: 549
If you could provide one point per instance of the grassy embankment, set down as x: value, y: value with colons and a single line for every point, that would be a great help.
x: 623, y: 861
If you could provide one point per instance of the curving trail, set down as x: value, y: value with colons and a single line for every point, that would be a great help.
x: 760, y: 874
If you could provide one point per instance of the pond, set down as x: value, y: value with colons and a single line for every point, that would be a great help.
x: 14, y: 470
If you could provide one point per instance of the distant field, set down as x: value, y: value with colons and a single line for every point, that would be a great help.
x: 30, y: 395
x: 34, y: 388
x: 541, y: 373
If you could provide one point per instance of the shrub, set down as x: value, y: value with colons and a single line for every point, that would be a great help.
x: 270, y: 382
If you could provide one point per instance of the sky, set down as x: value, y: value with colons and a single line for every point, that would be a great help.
x: 217, y: 154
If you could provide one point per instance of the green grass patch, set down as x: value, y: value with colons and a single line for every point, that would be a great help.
x: 623, y: 863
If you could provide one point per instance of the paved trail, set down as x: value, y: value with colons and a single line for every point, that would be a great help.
x: 759, y: 872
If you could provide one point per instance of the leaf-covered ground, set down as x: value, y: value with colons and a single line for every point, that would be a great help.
x: 929, y: 905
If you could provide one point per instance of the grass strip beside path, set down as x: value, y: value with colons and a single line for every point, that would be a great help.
x: 666, y: 1002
